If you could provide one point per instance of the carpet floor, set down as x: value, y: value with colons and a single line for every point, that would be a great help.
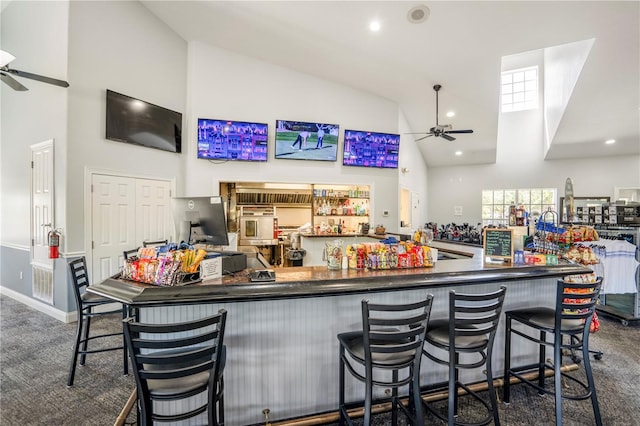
x: 35, y: 352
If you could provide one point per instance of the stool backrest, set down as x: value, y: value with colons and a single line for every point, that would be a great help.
x: 395, y: 332
x: 80, y: 278
x: 472, y: 315
x: 175, y: 352
x: 576, y: 301
x: 155, y: 243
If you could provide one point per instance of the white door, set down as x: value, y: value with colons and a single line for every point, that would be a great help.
x: 126, y: 211
x: 113, y: 222
x: 154, y: 220
x: 416, y: 213
x: 42, y: 219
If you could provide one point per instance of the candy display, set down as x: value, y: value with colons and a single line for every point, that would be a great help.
x: 403, y: 254
x: 163, y: 266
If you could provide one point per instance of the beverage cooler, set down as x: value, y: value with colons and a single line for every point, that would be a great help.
x: 619, y: 300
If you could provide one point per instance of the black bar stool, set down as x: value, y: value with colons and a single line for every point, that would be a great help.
x: 85, y: 304
x: 172, y: 362
x: 391, y: 339
x: 469, y: 329
x: 571, y: 318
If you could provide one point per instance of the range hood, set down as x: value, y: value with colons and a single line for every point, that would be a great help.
x: 273, y: 194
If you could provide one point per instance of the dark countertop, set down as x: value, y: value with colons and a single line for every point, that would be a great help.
x: 298, y: 282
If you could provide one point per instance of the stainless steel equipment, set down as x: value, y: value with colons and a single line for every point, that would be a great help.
x: 258, y: 226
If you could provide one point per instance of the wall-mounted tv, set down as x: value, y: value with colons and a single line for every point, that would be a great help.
x: 370, y: 149
x: 138, y: 122
x: 299, y: 140
x: 232, y: 140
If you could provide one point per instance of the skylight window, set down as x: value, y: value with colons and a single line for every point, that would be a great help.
x: 519, y: 89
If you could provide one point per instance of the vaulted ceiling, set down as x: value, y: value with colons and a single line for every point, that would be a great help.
x: 460, y: 46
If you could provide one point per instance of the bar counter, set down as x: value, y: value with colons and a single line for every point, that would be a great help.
x: 314, y: 281
x: 282, y: 351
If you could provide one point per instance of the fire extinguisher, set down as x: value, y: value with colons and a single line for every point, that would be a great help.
x: 54, y: 243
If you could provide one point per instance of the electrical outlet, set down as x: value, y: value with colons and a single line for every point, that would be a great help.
x: 385, y: 213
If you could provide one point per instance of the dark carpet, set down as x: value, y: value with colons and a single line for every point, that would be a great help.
x: 36, y: 351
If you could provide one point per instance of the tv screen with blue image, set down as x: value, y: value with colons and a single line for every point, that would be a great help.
x: 300, y: 140
x: 232, y: 140
x: 370, y: 149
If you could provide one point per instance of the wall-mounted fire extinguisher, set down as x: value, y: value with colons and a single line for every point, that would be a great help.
x: 54, y: 244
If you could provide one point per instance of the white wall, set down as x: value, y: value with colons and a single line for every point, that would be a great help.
x: 225, y: 85
x: 122, y: 47
x: 31, y: 31
x: 416, y: 178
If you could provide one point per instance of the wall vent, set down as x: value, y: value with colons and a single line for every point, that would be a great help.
x: 43, y: 284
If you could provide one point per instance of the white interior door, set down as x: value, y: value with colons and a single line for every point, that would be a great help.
x: 42, y: 219
x: 416, y: 213
x: 113, y: 222
x: 126, y: 211
x: 154, y: 220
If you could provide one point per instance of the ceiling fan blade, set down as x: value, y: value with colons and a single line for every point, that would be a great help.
x: 5, y: 58
x: 37, y: 77
x: 424, y: 137
x: 459, y: 131
x: 12, y: 82
x: 447, y: 137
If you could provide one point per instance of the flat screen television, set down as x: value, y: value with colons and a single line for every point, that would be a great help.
x: 137, y: 122
x: 232, y: 140
x: 201, y: 220
x: 370, y: 149
x: 299, y: 140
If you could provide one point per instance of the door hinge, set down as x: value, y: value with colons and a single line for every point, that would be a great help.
x: 91, y: 188
x: 32, y: 164
x: 33, y: 242
x: 91, y: 245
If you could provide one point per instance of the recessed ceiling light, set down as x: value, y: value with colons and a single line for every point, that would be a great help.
x: 458, y: 153
x: 451, y: 114
x: 374, y: 26
x: 610, y: 141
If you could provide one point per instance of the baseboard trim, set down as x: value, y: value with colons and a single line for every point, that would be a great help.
x: 66, y: 317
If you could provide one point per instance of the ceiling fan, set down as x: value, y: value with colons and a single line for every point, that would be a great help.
x: 440, y: 130
x: 6, y: 74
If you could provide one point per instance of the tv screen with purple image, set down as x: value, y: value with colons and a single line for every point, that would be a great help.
x: 370, y: 149
x: 300, y: 140
x: 232, y: 140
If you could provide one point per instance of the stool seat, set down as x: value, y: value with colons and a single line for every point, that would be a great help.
x: 354, y: 343
x: 172, y: 362
x: 544, y: 317
x: 438, y: 332
x: 391, y: 340
x: 575, y: 304
x: 469, y: 329
x: 95, y: 299
x: 85, y: 302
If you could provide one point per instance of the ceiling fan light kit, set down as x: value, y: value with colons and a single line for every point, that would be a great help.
x: 6, y: 74
x: 443, y: 131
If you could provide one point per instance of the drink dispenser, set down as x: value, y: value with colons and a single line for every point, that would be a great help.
x: 333, y: 254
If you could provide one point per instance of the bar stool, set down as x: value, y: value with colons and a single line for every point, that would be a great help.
x: 571, y: 318
x: 173, y: 362
x: 391, y: 341
x: 85, y: 304
x: 469, y: 329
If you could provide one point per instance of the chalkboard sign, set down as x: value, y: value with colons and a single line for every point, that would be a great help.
x: 498, y: 244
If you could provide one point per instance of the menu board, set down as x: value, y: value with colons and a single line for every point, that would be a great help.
x: 498, y: 244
